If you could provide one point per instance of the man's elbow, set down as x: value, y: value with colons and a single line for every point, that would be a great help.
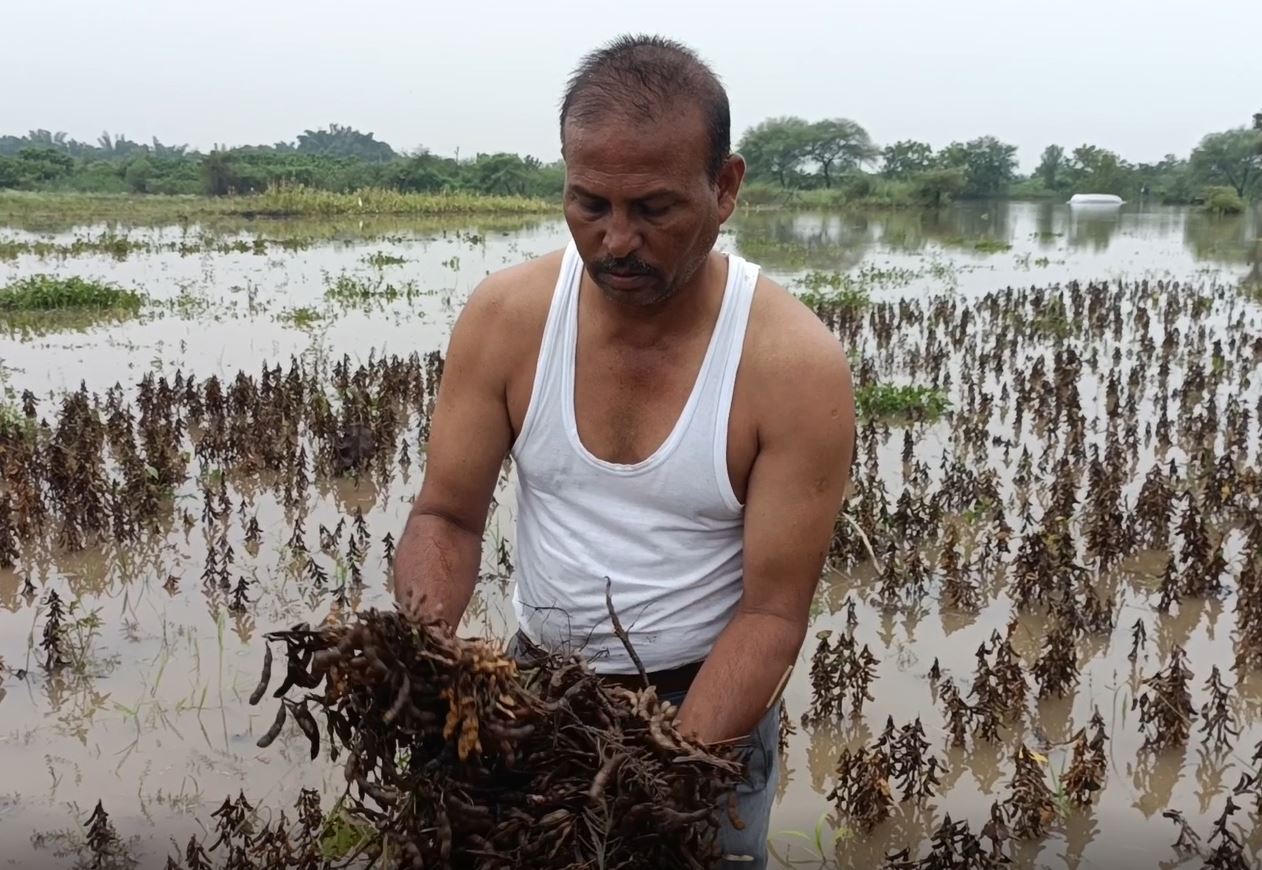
x: 424, y: 513
x: 780, y: 627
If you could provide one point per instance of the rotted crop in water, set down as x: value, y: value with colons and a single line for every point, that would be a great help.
x: 1057, y: 668
x: 456, y: 757
x: 1228, y: 849
x: 1089, y: 764
x: 839, y: 671
x: 1218, y: 722
x: 958, y: 713
x: 955, y: 847
x: 102, y: 841
x: 244, y: 839
x: 1030, y: 804
x: 1168, y: 419
x: 104, y: 471
x: 864, y: 790
x: 1165, y: 707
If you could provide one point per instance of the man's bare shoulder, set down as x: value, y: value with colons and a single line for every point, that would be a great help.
x: 516, y: 297
x: 787, y: 344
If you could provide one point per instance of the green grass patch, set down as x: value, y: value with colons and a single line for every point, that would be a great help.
x: 831, y: 292
x: 52, y: 293
x: 117, y: 246
x: 297, y: 200
x: 51, y: 209
x: 380, y: 259
x: 991, y: 246
x: 904, y: 400
x: 303, y: 317
x: 357, y: 289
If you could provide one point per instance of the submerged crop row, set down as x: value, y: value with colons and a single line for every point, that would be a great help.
x: 1062, y: 482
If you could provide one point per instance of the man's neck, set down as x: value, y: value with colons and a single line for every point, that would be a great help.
x: 693, y: 306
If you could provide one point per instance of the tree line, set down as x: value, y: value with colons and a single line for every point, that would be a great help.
x: 838, y: 155
x: 828, y: 161
x: 338, y: 158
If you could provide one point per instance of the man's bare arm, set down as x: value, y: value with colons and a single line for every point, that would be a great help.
x: 794, y: 492
x: 440, y: 550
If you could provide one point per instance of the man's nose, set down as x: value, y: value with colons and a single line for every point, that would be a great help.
x: 622, y: 236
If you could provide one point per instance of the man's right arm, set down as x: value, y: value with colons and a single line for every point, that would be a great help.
x: 440, y: 551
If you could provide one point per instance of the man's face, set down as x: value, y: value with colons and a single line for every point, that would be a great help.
x: 640, y: 205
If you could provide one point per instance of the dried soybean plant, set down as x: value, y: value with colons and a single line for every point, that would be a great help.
x: 1165, y: 707
x: 1089, y: 763
x: 839, y: 671
x: 455, y: 754
x: 1030, y: 805
x: 1218, y: 720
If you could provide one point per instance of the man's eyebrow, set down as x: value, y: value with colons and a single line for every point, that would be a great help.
x: 659, y: 193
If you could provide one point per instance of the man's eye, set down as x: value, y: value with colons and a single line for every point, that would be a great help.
x: 592, y: 206
x: 654, y: 211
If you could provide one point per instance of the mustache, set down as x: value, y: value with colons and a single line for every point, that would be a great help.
x: 623, y: 266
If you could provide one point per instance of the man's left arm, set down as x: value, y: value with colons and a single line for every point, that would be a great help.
x: 806, y: 438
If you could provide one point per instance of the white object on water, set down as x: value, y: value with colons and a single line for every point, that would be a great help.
x: 1096, y: 199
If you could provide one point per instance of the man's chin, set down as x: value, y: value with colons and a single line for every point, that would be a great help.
x: 639, y: 295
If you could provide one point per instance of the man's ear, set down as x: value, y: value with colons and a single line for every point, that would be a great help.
x: 728, y: 185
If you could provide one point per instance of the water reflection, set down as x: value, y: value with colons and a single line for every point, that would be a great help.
x: 840, y: 240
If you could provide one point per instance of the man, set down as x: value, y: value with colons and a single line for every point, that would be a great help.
x: 680, y: 424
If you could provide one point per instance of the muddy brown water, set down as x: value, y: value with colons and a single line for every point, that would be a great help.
x: 153, y: 720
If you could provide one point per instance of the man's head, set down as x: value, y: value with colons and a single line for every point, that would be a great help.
x: 649, y: 174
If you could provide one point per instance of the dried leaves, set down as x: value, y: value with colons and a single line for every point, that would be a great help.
x: 864, y: 777
x: 1089, y: 764
x: 504, y: 766
x: 1165, y: 707
x: 1029, y: 804
x: 840, y: 673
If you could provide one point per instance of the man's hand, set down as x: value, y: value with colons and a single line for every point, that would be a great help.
x: 806, y: 433
x: 440, y: 550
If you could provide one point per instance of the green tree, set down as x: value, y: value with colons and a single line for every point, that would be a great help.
x: 905, y: 159
x: 936, y: 187
x: 502, y: 173
x: 1233, y: 158
x: 776, y: 148
x: 340, y: 141
x: 44, y: 164
x: 138, y: 175
x: 10, y: 173
x: 1170, y: 180
x: 1050, y: 165
x: 422, y: 173
x: 988, y: 164
x: 219, y: 173
x: 837, y: 143
x: 1098, y: 170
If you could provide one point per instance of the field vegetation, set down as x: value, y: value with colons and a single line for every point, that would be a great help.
x: 792, y: 162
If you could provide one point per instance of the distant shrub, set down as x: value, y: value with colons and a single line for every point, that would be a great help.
x: 1223, y: 200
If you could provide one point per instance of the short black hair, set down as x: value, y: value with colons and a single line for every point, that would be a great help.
x: 641, y: 77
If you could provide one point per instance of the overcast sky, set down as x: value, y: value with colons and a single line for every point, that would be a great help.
x: 1142, y: 78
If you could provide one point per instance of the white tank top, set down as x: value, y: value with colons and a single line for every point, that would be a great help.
x: 667, y: 531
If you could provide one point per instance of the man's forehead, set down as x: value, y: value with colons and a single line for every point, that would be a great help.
x: 678, y: 123
x: 631, y: 150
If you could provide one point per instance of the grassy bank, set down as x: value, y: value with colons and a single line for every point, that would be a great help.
x: 276, y: 202
x: 45, y: 293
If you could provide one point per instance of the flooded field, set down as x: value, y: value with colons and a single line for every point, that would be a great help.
x: 1059, y: 484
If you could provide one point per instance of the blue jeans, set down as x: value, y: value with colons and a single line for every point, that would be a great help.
x: 746, y: 848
